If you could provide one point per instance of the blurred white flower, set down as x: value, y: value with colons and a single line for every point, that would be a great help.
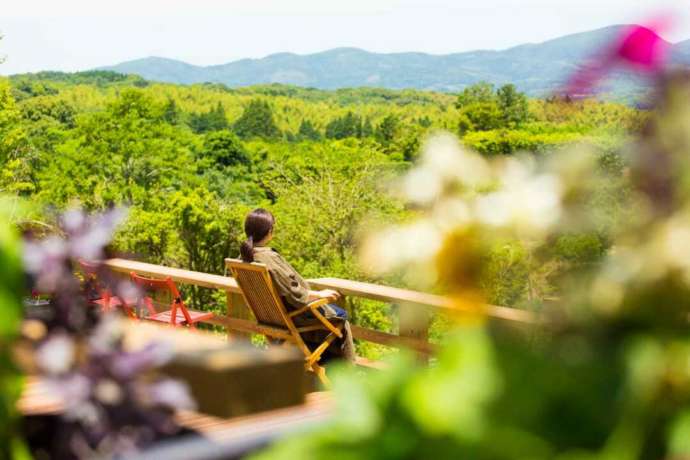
x: 422, y: 186
x: 623, y: 265
x: 106, y: 334
x: 73, y: 220
x: 86, y: 413
x: 664, y: 251
x: 128, y: 364
x: 529, y: 203
x: 394, y: 248
x: 677, y: 245
x: 45, y: 260
x: 128, y: 291
x: 446, y: 158
x: 574, y: 165
x: 444, y: 163
x: 107, y: 391
x: 89, y: 240
x: 171, y: 393
x: 56, y: 355
x: 494, y: 209
x: 451, y: 213
x: 461, y: 189
x: 75, y: 391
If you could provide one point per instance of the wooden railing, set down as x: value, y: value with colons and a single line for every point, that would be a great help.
x: 414, y: 307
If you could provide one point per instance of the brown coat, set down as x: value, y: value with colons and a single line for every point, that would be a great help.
x: 295, y: 293
x: 290, y: 285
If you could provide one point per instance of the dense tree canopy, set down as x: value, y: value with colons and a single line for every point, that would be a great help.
x: 213, y: 120
x: 307, y: 131
x: 349, y: 125
x: 11, y: 134
x: 257, y: 121
x: 223, y: 148
x: 483, y: 109
x: 479, y: 93
x: 513, y: 105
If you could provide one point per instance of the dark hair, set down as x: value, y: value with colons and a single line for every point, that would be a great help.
x: 257, y: 225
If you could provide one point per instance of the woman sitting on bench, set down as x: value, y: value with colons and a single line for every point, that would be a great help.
x: 294, y: 290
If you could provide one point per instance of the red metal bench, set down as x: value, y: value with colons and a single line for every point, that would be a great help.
x: 178, y: 312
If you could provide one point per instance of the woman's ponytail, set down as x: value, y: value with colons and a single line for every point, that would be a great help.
x: 257, y: 225
x: 247, y: 250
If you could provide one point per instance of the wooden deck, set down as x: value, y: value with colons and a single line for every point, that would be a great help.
x: 236, y: 435
x: 37, y: 399
x: 248, y: 431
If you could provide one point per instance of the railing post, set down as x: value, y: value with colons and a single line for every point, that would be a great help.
x: 236, y: 308
x: 414, y: 323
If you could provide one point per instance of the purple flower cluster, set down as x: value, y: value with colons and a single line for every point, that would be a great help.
x: 85, y: 239
x: 50, y: 264
x: 114, y: 402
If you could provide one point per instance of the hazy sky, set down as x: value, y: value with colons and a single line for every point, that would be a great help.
x: 82, y: 34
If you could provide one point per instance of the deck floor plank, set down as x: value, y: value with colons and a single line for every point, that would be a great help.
x: 38, y: 399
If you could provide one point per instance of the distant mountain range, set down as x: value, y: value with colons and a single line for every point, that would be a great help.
x: 535, y: 68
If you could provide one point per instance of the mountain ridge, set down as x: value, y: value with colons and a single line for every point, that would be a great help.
x: 536, y: 68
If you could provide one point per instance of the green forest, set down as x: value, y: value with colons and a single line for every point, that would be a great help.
x: 544, y: 245
x: 190, y: 161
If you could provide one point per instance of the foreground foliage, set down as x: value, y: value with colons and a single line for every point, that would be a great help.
x: 11, y: 285
x: 603, y: 375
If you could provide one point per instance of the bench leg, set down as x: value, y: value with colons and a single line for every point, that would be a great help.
x: 320, y: 372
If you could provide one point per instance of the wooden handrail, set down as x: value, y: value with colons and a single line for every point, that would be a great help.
x: 414, y: 306
x: 178, y: 275
x: 396, y: 295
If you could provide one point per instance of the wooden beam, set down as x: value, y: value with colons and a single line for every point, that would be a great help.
x: 392, y: 340
x: 414, y: 323
x: 358, y: 332
x: 420, y: 299
x: 247, y: 326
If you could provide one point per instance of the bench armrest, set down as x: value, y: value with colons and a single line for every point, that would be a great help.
x: 314, y: 308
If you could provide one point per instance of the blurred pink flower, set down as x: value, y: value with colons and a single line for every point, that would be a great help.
x: 637, y: 47
x: 642, y: 48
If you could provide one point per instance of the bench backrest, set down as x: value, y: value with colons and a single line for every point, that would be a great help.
x: 259, y: 293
